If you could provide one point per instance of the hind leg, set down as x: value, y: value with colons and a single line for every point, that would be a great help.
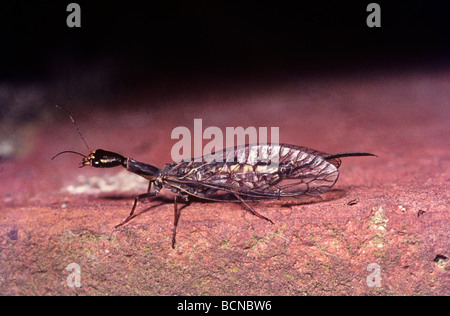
x: 251, y: 210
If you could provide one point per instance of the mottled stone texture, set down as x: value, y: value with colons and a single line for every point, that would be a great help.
x: 391, y: 210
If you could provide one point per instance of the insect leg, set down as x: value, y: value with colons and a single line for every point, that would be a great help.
x: 250, y: 209
x: 177, y: 213
x: 140, y: 197
x: 176, y: 217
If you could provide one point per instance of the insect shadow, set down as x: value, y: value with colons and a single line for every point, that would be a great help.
x: 119, y: 197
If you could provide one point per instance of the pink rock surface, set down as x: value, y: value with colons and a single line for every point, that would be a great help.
x: 53, y: 214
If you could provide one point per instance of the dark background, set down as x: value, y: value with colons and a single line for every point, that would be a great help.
x: 164, y: 47
x: 164, y: 40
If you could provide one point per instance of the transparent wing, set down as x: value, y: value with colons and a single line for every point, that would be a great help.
x: 254, y: 172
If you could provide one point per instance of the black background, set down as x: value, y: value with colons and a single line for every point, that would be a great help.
x: 136, y: 43
x: 188, y: 37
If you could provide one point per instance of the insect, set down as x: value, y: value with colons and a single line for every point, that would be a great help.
x: 241, y: 176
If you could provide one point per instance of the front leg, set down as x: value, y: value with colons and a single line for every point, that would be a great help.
x: 140, y: 198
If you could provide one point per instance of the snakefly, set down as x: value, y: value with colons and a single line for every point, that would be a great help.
x: 240, y: 177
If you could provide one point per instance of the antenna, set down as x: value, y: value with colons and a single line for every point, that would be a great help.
x: 69, y: 151
x: 78, y: 130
